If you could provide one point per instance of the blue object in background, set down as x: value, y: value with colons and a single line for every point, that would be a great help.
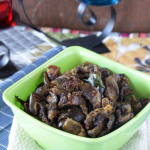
x: 101, y: 2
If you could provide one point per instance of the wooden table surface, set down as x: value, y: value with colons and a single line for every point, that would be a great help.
x: 132, y: 15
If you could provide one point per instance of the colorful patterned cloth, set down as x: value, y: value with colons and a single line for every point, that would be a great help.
x: 132, y: 52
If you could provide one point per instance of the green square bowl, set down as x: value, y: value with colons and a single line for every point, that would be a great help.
x: 50, y: 138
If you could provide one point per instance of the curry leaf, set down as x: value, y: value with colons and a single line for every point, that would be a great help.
x: 96, y: 81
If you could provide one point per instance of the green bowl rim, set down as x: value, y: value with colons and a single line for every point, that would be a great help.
x: 63, y: 133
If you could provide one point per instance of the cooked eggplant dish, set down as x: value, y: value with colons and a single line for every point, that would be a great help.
x: 87, y: 101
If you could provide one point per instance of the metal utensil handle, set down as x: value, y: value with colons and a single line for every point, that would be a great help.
x: 6, y: 57
x: 92, y: 20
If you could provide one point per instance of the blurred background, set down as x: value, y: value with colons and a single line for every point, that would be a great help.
x: 132, y: 15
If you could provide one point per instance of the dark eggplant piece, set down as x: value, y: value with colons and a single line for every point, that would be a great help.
x: 60, y: 123
x: 94, y: 132
x: 144, y: 101
x: 43, y: 113
x: 46, y: 79
x: 52, y: 100
x: 81, y: 72
x: 42, y: 90
x: 124, y: 114
x: 73, y: 99
x: 125, y: 91
x: 138, y: 105
x: 105, y: 72
x: 126, y: 109
x: 112, y: 89
x: 77, y: 99
x: 108, y: 126
x: 91, y: 117
x: 52, y: 106
x: 34, y: 97
x: 64, y: 101
x: 74, y: 127
x: 95, y: 122
x: 118, y: 77
x: 53, y: 72
x: 88, y: 64
x: 124, y: 82
x: 26, y: 109
x: 52, y: 114
x: 92, y: 94
x: 73, y: 112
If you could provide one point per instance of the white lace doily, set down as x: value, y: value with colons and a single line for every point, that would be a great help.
x: 20, y: 140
